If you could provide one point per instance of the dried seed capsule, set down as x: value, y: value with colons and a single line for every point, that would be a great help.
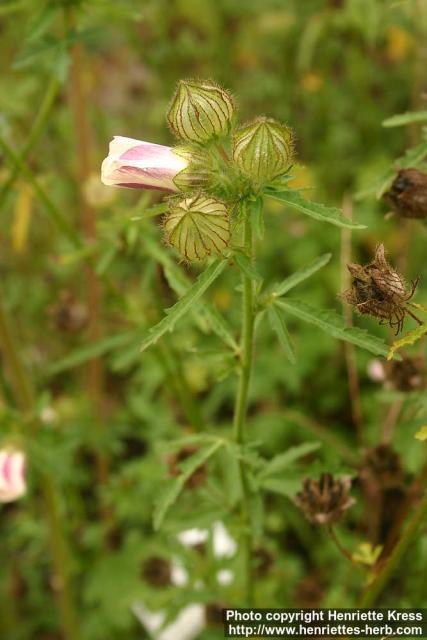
x: 384, y: 465
x: 324, y: 501
x: 198, y: 226
x: 157, y: 571
x: 379, y: 291
x: 200, y: 111
x: 263, y: 149
x: 408, y: 194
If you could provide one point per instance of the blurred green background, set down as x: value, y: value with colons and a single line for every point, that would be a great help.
x: 82, y: 280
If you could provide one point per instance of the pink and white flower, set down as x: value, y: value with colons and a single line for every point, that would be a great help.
x: 141, y: 165
x: 12, y: 475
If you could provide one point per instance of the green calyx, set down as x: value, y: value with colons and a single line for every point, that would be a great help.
x: 263, y: 149
x: 198, y: 226
x: 200, y: 111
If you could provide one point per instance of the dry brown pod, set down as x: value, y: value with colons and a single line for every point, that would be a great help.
x: 408, y: 194
x: 380, y: 291
x: 324, y: 501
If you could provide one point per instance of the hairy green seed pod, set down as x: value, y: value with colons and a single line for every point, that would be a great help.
x: 198, y: 226
x: 198, y: 172
x: 200, y: 111
x: 263, y: 149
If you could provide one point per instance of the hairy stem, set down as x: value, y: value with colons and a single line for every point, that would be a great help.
x: 246, y: 355
x: 25, y: 399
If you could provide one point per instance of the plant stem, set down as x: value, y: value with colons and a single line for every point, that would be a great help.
x: 246, y: 355
x: 95, y: 367
x: 408, y: 538
x: 25, y: 398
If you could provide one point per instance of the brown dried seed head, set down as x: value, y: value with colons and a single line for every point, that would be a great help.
x: 408, y: 374
x: 384, y: 465
x: 408, y: 194
x: 157, y: 571
x: 324, y: 501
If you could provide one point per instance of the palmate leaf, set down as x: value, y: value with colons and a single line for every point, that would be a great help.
x: 301, y: 275
x: 313, y: 209
x: 333, y: 324
x: 278, y: 325
x: 169, y: 497
x: 405, y: 118
x: 183, y: 305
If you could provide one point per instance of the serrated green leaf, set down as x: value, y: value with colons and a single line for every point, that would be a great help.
x: 314, y: 209
x: 301, y: 275
x: 278, y: 325
x: 183, y: 305
x: 405, y: 118
x: 87, y: 352
x: 410, y: 338
x: 172, y: 492
x: 332, y: 323
x: 283, y: 460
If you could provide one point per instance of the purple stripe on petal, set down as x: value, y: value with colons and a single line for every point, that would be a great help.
x: 145, y: 152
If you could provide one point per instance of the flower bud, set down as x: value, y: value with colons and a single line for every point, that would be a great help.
x: 12, y: 475
x: 263, y: 149
x: 198, y: 226
x: 141, y: 165
x: 198, y: 172
x: 200, y: 111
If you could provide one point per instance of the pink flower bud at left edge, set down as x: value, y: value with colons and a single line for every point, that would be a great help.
x: 141, y: 165
x: 12, y: 475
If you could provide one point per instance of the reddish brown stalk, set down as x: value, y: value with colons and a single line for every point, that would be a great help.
x: 95, y: 369
x: 350, y: 358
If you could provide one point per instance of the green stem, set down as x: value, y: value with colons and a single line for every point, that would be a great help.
x: 408, y: 538
x: 26, y: 400
x: 51, y: 209
x: 246, y: 355
x: 36, y: 130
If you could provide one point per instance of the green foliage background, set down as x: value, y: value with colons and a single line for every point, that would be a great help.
x: 333, y: 71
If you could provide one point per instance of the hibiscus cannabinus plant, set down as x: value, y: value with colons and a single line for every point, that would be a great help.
x: 217, y: 178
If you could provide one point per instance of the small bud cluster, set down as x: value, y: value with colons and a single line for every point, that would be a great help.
x: 222, y: 164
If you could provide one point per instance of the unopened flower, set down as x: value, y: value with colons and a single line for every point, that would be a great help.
x: 379, y: 291
x: 324, y: 501
x: 200, y: 111
x: 263, y: 149
x: 141, y: 165
x: 12, y: 475
x: 408, y: 194
x: 198, y: 226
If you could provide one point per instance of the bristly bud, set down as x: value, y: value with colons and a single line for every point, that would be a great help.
x: 200, y: 111
x: 263, y: 150
x: 408, y: 194
x: 157, y: 571
x: 198, y: 226
x: 384, y: 465
x: 198, y: 172
x: 324, y: 501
